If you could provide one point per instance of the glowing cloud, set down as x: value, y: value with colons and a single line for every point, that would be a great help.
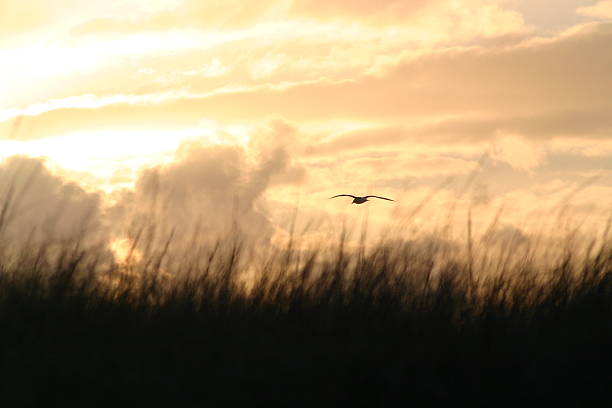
x: 602, y: 9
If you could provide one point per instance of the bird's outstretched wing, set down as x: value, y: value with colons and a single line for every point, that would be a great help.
x: 388, y: 199
x: 343, y: 195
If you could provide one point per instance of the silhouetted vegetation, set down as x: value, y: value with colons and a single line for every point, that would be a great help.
x: 398, y: 321
x: 502, y: 320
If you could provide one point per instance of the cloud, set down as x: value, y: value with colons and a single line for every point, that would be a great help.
x: 470, y: 18
x: 210, y: 14
x: 566, y: 74
x: 209, y: 191
x: 38, y: 206
x: 518, y: 152
x: 18, y: 17
x: 479, y: 131
x: 360, y: 9
x: 43, y: 16
x: 602, y: 9
x: 293, y: 40
x: 385, y: 165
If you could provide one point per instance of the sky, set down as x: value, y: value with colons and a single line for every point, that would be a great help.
x: 196, y: 113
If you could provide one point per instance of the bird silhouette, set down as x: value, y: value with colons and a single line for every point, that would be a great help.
x: 360, y: 200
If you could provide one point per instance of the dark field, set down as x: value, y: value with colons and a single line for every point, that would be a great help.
x: 395, y: 323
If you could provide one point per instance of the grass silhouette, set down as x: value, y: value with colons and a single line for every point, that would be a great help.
x: 398, y: 321
x: 374, y: 326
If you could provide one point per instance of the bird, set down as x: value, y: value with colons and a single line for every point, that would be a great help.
x: 360, y: 200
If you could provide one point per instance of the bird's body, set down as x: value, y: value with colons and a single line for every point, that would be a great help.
x: 360, y: 200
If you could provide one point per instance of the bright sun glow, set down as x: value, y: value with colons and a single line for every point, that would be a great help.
x: 100, y: 152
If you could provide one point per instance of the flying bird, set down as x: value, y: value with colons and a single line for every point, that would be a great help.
x: 360, y: 200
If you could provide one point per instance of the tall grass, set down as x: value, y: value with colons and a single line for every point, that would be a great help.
x: 395, y: 321
x: 414, y: 321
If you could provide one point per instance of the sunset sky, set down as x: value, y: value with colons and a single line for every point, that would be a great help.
x: 249, y: 108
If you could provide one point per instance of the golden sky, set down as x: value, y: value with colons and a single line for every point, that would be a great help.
x: 250, y: 107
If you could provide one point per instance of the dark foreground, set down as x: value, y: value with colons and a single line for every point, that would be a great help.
x: 376, y: 330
